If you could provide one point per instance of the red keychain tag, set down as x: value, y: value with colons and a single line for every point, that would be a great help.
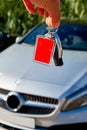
x: 43, y: 50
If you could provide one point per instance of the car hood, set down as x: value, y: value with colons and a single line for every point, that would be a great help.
x: 17, y: 65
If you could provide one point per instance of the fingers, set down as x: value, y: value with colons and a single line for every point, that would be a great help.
x: 47, y: 14
x: 39, y: 3
x: 54, y: 14
x: 51, y: 9
x: 41, y: 11
x: 52, y: 23
x: 29, y: 6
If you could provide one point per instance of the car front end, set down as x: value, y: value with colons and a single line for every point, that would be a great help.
x: 38, y: 96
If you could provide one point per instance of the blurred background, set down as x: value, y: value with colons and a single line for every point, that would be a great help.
x: 15, y: 19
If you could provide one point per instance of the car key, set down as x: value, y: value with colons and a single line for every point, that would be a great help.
x: 57, y: 56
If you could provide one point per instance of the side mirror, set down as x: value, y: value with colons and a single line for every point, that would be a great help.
x: 18, y: 39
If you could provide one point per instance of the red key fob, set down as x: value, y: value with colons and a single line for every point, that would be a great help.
x: 43, y: 50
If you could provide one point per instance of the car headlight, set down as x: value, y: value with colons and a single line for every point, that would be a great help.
x: 76, y: 100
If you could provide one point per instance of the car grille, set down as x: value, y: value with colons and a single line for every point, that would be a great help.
x: 32, y: 104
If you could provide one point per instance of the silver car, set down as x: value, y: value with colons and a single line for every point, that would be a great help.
x: 37, y: 96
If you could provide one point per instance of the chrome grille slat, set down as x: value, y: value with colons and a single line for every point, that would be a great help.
x: 40, y: 99
x: 40, y: 105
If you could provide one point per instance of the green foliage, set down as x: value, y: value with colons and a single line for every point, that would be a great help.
x: 15, y: 18
x: 74, y: 9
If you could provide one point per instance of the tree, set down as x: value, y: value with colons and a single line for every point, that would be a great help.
x: 15, y: 18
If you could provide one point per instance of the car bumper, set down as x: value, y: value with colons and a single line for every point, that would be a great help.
x: 16, y: 121
x: 20, y: 122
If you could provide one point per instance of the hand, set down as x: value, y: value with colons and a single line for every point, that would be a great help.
x: 49, y: 7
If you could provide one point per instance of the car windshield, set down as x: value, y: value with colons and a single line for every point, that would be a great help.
x: 72, y: 36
